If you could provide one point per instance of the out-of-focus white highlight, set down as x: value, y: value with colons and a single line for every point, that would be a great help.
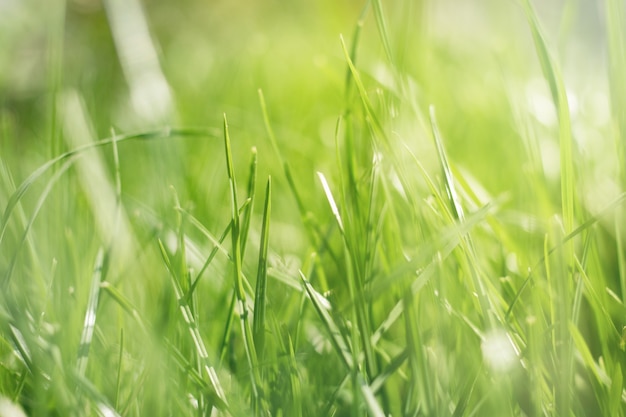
x: 10, y: 409
x: 150, y: 93
x: 498, y: 351
x: 111, y: 221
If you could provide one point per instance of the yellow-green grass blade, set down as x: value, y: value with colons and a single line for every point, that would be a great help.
x: 616, y: 39
x: 382, y: 28
x: 356, y: 36
x: 559, y: 97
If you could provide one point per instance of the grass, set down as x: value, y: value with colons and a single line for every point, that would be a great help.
x: 440, y: 230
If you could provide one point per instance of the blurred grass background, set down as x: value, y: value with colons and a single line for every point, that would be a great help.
x: 72, y: 72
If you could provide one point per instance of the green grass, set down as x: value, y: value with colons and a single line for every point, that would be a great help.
x: 410, y: 208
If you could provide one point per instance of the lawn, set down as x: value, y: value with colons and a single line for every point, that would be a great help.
x: 329, y: 208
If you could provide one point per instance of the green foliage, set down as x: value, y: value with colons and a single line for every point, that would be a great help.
x: 441, y: 232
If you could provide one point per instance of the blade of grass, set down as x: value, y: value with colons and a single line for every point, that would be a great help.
x: 294, y: 380
x: 457, y: 210
x: 423, y: 267
x: 337, y: 340
x: 246, y: 329
x: 356, y: 36
x: 100, y: 403
x: 315, y: 232
x: 371, y: 402
x: 260, y: 297
x: 559, y: 96
x: 615, y: 37
x: 355, y: 285
x: 382, y: 28
x: 586, y: 225
x: 125, y: 304
x: 90, y: 314
x: 17, y: 195
x: 180, y: 360
x: 616, y: 407
x: 193, y: 328
x: 247, y: 213
x: 118, y: 383
x: 6, y: 279
x: 331, y: 202
x: 279, y: 154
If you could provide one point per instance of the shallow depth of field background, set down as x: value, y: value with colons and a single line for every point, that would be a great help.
x: 73, y: 72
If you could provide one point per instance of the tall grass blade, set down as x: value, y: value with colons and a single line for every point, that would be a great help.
x: 371, y: 402
x: 337, y: 340
x: 559, y: 96
x: 459, y: 215
x: 616, y: 407
x: 120, y: 359
x: 457, y: 208
x: 285, y: 165
x: 382, y: 28
x: 331, y: 201
x: 615, y: 13
x: 313, y: 229
x: 192, y: 327
x: 246, y: 329
x: 247, y: 212
x: 356, y: 36
x: 90, y: 315
x: 260, y: 296
x: 6, y: 279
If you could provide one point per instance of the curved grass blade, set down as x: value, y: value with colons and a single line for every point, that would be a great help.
x: 40, y: 202
x: 167, y: 132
